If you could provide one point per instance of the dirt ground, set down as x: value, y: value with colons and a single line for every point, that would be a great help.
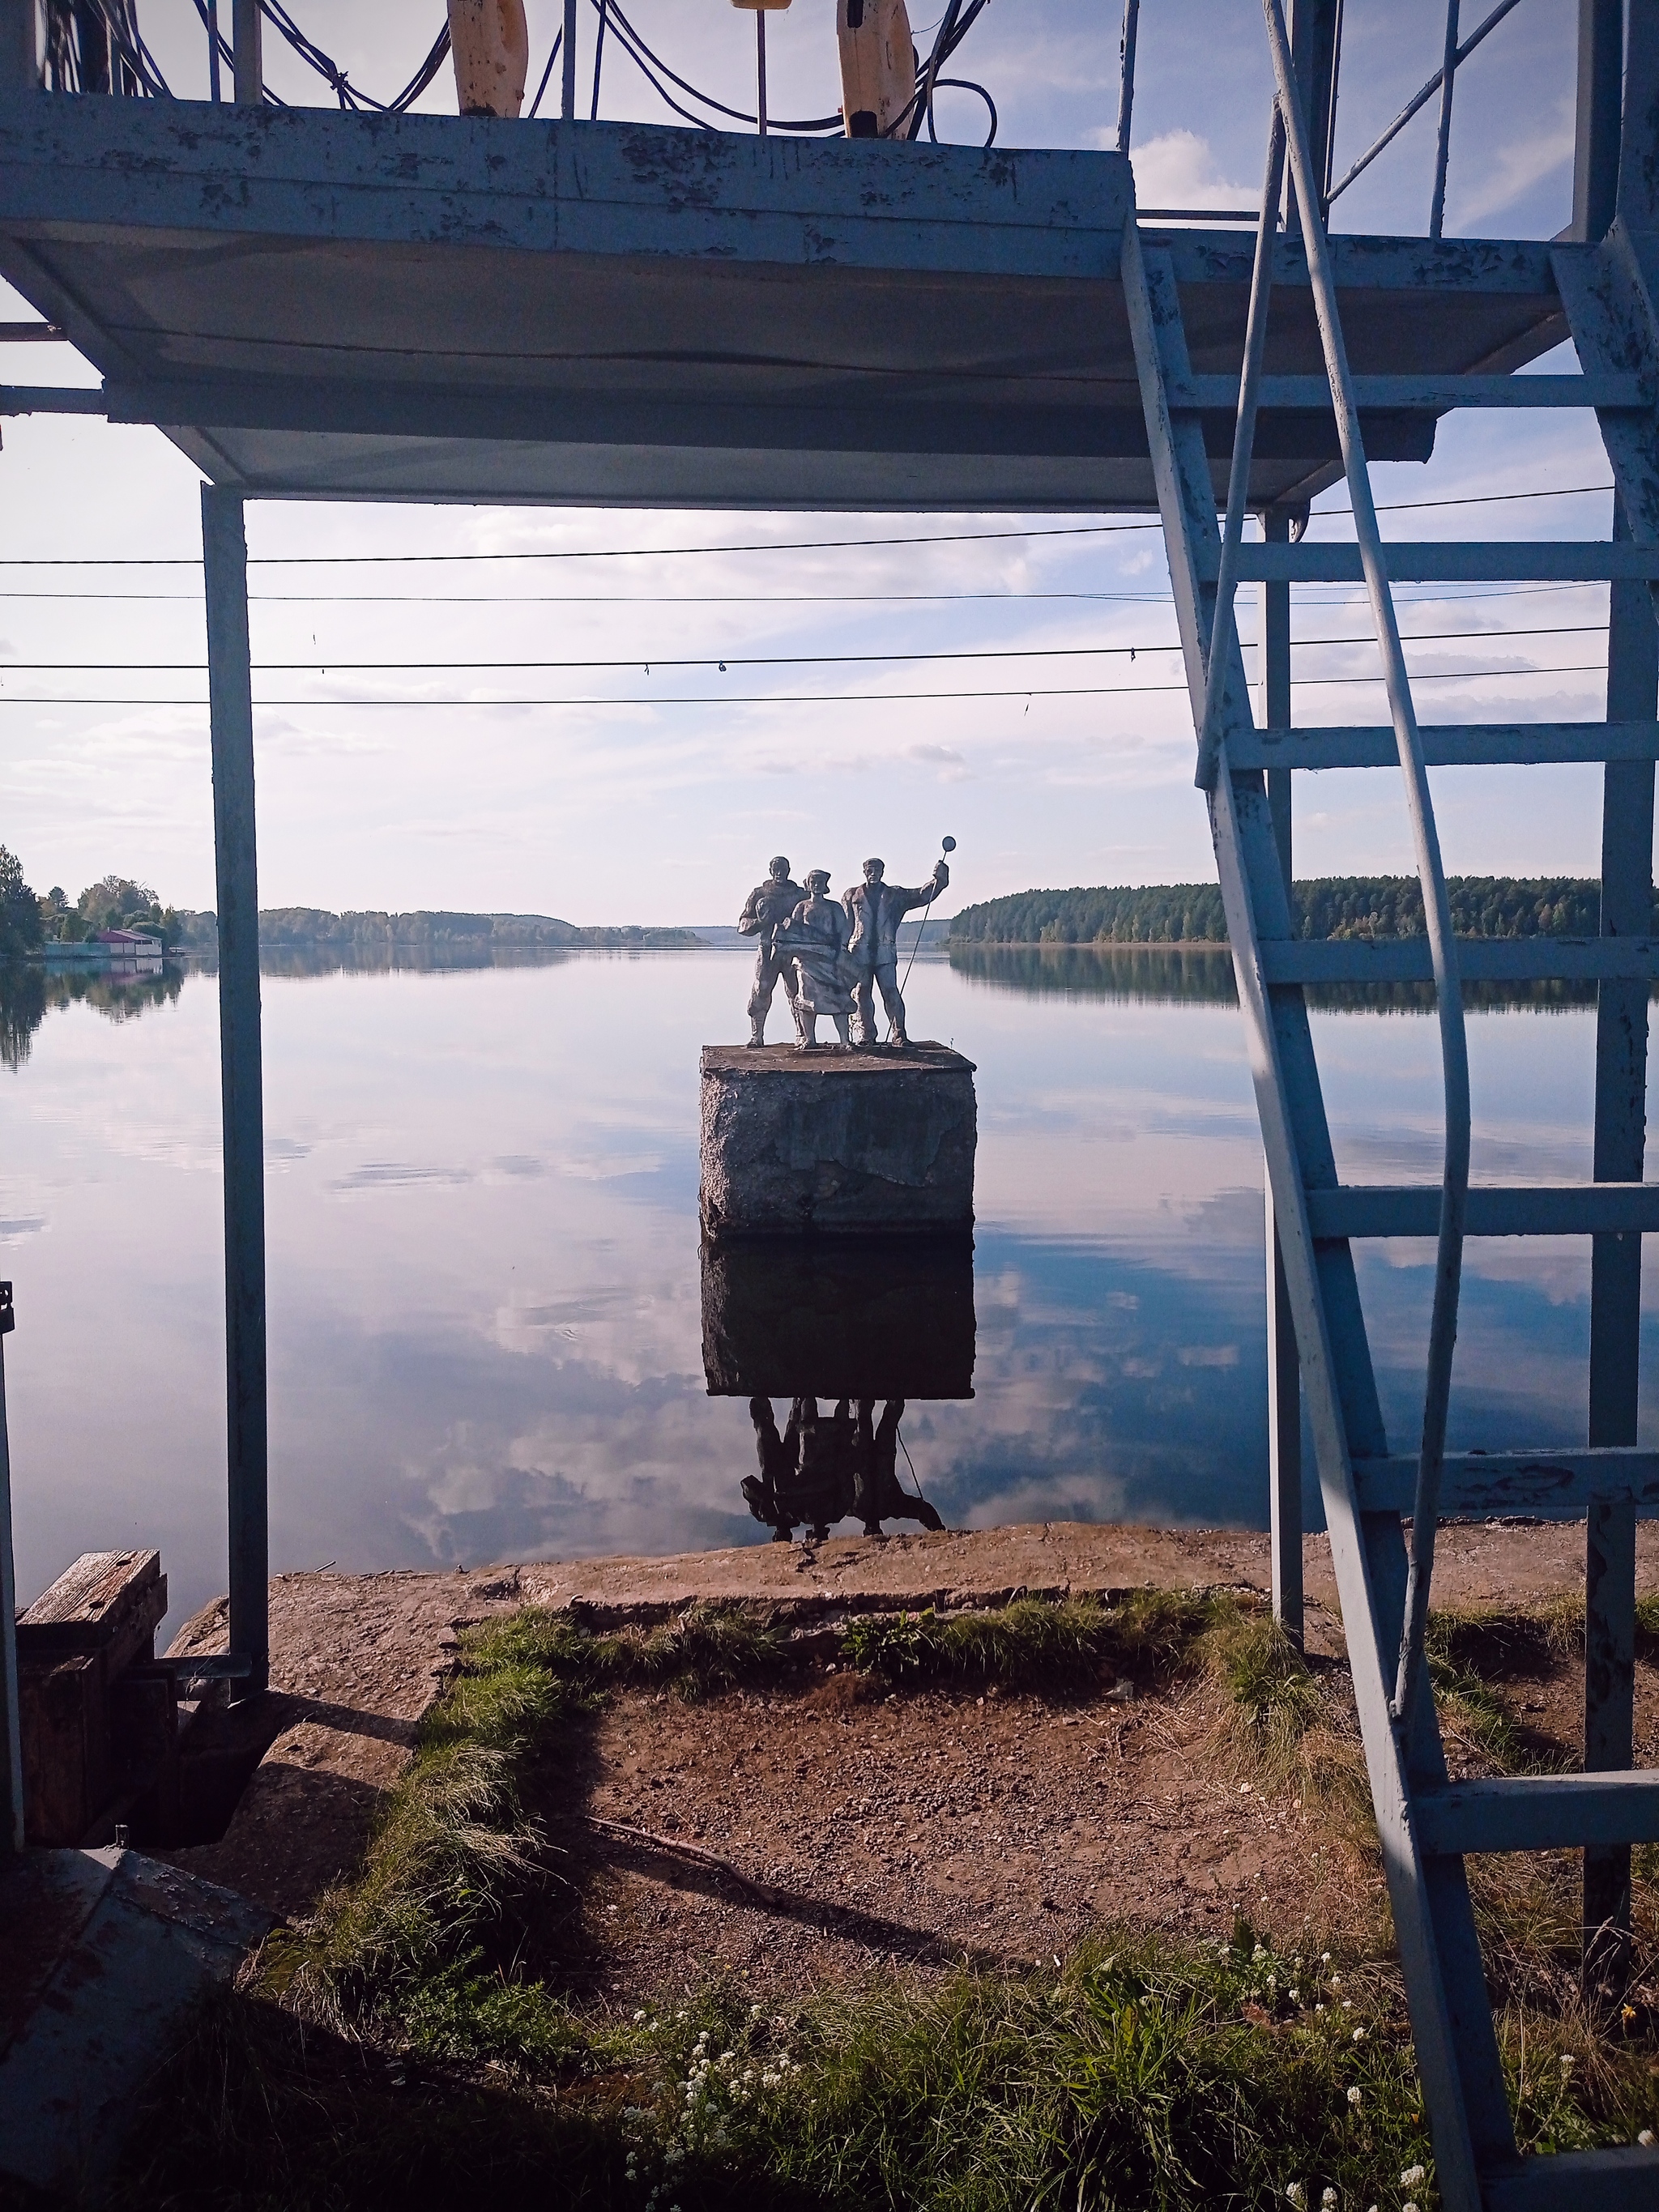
x: 921, y: 1829
x: 853, y: 1826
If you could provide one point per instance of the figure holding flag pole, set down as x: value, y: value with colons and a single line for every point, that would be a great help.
x: 875, y: 908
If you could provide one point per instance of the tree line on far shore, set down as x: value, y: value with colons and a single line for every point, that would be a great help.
x: 29, y: 920
x: 1323, y: 906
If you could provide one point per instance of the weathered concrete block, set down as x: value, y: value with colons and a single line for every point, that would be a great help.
x: 836, y: 1143
x: 852, y: 1317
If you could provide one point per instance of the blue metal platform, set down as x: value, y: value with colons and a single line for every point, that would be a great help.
x: 418, y: 307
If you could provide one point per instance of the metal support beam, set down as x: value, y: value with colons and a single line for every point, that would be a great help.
x: 230, y: 695
x: 11, y: 1735
x: 1284, y: 1376
x: 247, y: 43
x: 567, y: 61
x: 19, y: 46
x: 1315, y: 41
x: 1621, y: 1072
x: 1596, y: 147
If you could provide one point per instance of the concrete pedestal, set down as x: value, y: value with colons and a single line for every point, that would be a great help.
x: 836, y: 1143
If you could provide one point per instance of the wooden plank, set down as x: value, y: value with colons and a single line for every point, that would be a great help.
x: 1446, y: 745
x: 107, y: 1603
x: 1495, y: 1209
x: 1538, y: 1813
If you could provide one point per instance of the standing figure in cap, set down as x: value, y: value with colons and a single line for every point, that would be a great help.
x: 765, y: 911
x: 815, y: 936
x: 875, y: 908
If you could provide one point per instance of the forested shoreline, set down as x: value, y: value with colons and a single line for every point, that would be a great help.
x: 1324, y: 907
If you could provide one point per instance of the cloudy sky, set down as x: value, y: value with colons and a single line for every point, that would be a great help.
x: 641, y: 812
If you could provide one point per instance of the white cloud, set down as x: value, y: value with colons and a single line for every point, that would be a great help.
x: 1178, y: 169
x: 1515, y: 168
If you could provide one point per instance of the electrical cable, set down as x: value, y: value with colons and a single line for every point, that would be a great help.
x: 547, y: 74
x: 646, y: 61
x: 778, y: 545
x: 724, y: 700
x: 326, y: 665
x: 348, y: 96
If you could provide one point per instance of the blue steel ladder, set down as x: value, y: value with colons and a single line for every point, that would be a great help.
x: 1427, y: 1824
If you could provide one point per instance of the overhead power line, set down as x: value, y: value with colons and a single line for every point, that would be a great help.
x: 819, y: 698
x: 324, y: 664
x: 774, y: 545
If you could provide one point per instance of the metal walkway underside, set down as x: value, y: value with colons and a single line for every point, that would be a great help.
x: 420, y: 308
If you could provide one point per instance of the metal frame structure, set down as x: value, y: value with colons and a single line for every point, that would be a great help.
x: 121, y: 229
x: 1427, y: 1826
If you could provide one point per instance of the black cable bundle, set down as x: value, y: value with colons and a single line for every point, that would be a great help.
x: 95, y: 46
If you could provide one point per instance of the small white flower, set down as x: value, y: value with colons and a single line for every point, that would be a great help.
x: 1412, y: 2175
x: 1324, y: 1958
x: 1297, y: 2193
x: 1353, y: 2099
x: 638, y: 2017
x: 1646, y: 2139
x: 1295, y: 1996
x: 1408, y: 2206
x: 1566, y: 2062
x: 1328, y: 2199
x: 1359, y: 2035
x: 1318, y: 2009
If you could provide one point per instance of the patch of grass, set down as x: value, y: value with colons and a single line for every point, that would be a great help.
x: 1270, y: 1687
x: 1470, y: 1649
x: 709, y: 1649
x: 1038, y: 1643
x: 1140, y: 2074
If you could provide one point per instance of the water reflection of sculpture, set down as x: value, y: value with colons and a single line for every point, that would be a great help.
x: 825, y: 1467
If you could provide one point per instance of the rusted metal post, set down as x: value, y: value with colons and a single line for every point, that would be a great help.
x: 1284, y: 1373
x: 230, y: 694
x: 11, y: 1735
x: 1621, y: 1075
x: 247, y: 46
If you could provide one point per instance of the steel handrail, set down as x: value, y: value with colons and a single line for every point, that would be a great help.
x: 1454, y: 1042
x: 1238, y: 480
x: 1421, y: 99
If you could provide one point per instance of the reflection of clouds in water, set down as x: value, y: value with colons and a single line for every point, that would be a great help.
x: 486, y: 1329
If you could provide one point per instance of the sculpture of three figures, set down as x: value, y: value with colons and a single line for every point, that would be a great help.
x: 832, y: 955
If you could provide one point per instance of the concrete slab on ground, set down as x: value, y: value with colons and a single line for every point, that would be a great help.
x: 103, y: 1955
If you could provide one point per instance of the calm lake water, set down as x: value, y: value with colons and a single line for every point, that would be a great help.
x: 485, y: 1310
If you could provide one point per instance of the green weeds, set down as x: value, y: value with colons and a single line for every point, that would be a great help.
x: 1038, y: 1643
